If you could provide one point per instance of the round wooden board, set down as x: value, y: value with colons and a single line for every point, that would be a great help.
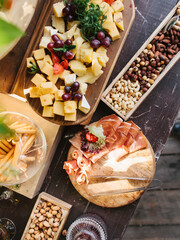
x: 138, y: 164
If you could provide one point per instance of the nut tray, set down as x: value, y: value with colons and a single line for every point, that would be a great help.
x: 158, y: 79
x: 57, y: 202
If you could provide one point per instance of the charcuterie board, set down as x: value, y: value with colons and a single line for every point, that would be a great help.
x: 95, y: 90
x: 138, y: 164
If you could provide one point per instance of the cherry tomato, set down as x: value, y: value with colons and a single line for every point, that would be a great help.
x: 65, y: 64
x: 91, y: 138
x: 55, y: 59
x: 58, y: 68
x: 109, y: 1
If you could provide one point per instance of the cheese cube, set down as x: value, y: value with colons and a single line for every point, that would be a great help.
x: 58, y: 95
x: 70, y: 32
x: 57, y: 8
x: 70, y: 116
x: 47, y: 31
x: 71, y: 24
x: 58, y: 108
x: 44, y: 42
x: 114, y: 34
x: 39, y: 54
x: 54, y: 88
x: 77, y: 67
x: 35, y: 92
x: 41, y: 64
x: 96, y: 67
x: 70, y: 79
x: 86, y: 55
x: 48, y: 111
x: 46, y: 100
x: 64, y: 74
x: 58, y: 23
x: 38, y: 79
x: 83, y: 88
x: 29, y: 60
x: 53, y: 78
x: 118, y: 19
x: 78, y: 42
x: 117, y: 6
x: 62, y: 87
x: 84, y: 105
x: 112, y: 29
x: 70, y: 106
x: 47, y: 69
x: 88, y: 77
x: 47, y: 87
x: 48, y: 59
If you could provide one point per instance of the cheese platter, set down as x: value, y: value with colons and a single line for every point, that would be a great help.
x: 51, y: 107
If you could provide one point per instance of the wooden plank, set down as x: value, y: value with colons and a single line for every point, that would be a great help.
x: 160, y: 232
x: 168, y: 171
x: 158, y: 207
x: 172, y: 146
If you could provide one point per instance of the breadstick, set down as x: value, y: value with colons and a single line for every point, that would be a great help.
x: 17, y: 152
x: 19, y: 125
x: 14, y: 124
x: 6, y: 165
x: 28, y: 159
x: 6, y: 143
x: 30, y: 131
x: 22, y: 166
x: 8, y: 156
x: 4, y: 147
x: 28, y: 144
x: 2, y: 152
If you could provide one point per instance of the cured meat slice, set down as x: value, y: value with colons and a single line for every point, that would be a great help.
x: 134, y: 130
x: 124, y: 128
x: 96, y: 156
x: 121, y: 139
x: 76, y: 154
x: 139, y: 143
x: 84, y: 163
x: 118, y: 153
x: 76, y: 141
x: 130, y: 140
x: 70, y: 166
x: 81, y: 177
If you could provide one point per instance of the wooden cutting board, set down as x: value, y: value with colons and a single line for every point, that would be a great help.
x: 138, y: 164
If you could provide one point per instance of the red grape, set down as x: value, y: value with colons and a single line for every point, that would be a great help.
x: 66, y: 96
x: 73, y: 8
x: 55, y: 38
x: 66, y: 11
x: 106, y: 42
x: 68, y: 55
x: 100, y: 35
x: 67, y: 89
x: 75, y: 86
x: 68, y: 42
x: 70, y: 18
x: 77, y: 96
x: 68, y: 4
x: 50, y: 46
x: 59, y: 44
x: 95, y: 43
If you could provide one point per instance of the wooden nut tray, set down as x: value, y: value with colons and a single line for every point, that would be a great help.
x: 162, y: 74
x: 95, y: 90
x: 63, y: 205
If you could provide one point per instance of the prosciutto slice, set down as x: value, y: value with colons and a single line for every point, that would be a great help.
x: 139, y: 143
x: 134, y: 130
x: 81, y: 177
x: 70, y: 166
x: 118, y: 153
x: 84, y: 163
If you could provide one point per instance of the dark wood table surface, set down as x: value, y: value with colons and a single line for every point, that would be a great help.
x: 155, y: 116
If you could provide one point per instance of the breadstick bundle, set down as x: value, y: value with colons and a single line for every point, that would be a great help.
x: 16, y: 152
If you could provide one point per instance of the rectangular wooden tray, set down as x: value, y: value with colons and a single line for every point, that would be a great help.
x: 95, y: 90
x: 31, y: 187
x: 167, y: 68
x: 65, y: 207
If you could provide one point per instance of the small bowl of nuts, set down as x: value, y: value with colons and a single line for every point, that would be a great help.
x: 47, y: 218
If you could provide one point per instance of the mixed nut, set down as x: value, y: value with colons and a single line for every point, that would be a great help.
x: 144, y: 71
x: 45, y: 221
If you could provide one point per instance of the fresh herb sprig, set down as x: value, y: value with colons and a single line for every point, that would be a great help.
x: 65, y: 48
x: 34, y: 69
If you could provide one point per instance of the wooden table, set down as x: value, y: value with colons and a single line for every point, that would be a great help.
x: 155, y: 116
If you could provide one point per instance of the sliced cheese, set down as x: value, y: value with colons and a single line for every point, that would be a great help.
x: 58, y: 108
x: 47, y: 87
x: 84, y: 105
x: 39, y: 54
x: 70, y: 32
x: 48, y: 111
x: 38, y: 79
x: 58, y: 23
x: 88, y: 77
x: 41, y: 64
x: 96, y: 67
x: 70, y: 106
x: 57, y: 9
x: 77, y: 67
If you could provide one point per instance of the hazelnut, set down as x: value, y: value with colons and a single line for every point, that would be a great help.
x: 151, y: 81
x: 153, y: 63
x: 142, y: 63
x: 149, y: 46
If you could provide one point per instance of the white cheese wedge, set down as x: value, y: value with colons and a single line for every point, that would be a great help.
x: 57, y: 8
x: 44, y: 42
x: 70, y: 79
x: 84, y: 105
